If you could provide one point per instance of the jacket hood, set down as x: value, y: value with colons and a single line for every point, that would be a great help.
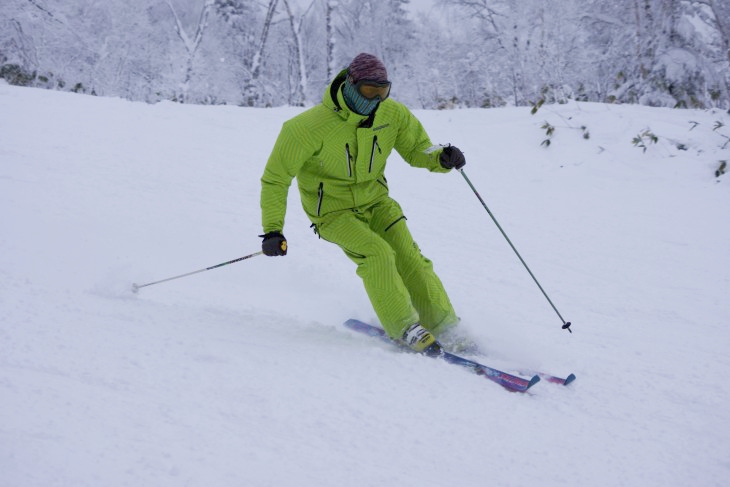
x: 334, y: 100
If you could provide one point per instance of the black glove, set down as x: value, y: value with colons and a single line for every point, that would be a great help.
x: 274, y: 244
x: 451, y: 157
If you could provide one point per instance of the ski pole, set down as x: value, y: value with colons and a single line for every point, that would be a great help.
x: 137, y: 287
x: 566, y: 325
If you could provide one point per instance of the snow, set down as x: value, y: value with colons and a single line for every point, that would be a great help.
x: 243, y: 375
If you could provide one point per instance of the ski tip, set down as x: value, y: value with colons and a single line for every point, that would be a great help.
x: 523, y: 386
x: 362, y: 327
x: 569, y: 379
x: 535, y: 379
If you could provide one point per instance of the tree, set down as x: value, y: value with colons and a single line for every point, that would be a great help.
x: 477, y: 53
x: 239, y: 43
x: 719, y: 17
x: 330, y: 42
x: 252, y: 90
x: 295, y: 22
x: 192, y: 44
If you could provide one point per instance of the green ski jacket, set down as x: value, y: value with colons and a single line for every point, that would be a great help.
x: 339, y: 157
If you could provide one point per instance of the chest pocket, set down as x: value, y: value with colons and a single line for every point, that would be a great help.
x: 374, y: 149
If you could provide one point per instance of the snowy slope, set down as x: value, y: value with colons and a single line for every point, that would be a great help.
x: 244, y: 375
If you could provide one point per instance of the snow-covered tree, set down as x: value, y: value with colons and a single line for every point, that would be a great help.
x: 296, y: 21
x: 191, y: 41
x: 330, y: 42
x: 471, y: 53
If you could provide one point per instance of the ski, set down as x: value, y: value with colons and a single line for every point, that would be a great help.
x: 510, y: 382
x: 564, y: 381
x: 553, y: 379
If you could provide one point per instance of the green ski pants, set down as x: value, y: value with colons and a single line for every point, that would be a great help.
x: 401, y: 283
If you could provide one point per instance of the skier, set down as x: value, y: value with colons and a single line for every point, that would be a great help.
x: 337, y: 150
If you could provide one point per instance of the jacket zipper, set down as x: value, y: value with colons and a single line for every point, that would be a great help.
x: 349, y: 160
x: 372, y: 152
x: 320, y: 195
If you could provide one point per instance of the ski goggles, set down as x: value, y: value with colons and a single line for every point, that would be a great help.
x: 371, y: 89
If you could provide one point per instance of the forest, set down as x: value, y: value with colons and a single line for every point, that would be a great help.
x: 457, y: 54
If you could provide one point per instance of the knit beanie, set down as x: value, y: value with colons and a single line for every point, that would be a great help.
x: 366, y: 66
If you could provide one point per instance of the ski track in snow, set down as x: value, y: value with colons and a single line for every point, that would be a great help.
x: 243, y: 375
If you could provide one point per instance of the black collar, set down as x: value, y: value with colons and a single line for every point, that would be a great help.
x: 335, y: 87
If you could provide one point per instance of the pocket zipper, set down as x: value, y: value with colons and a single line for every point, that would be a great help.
x: 372, y: 152
x: 320, y: 196
x: 349, y: 160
